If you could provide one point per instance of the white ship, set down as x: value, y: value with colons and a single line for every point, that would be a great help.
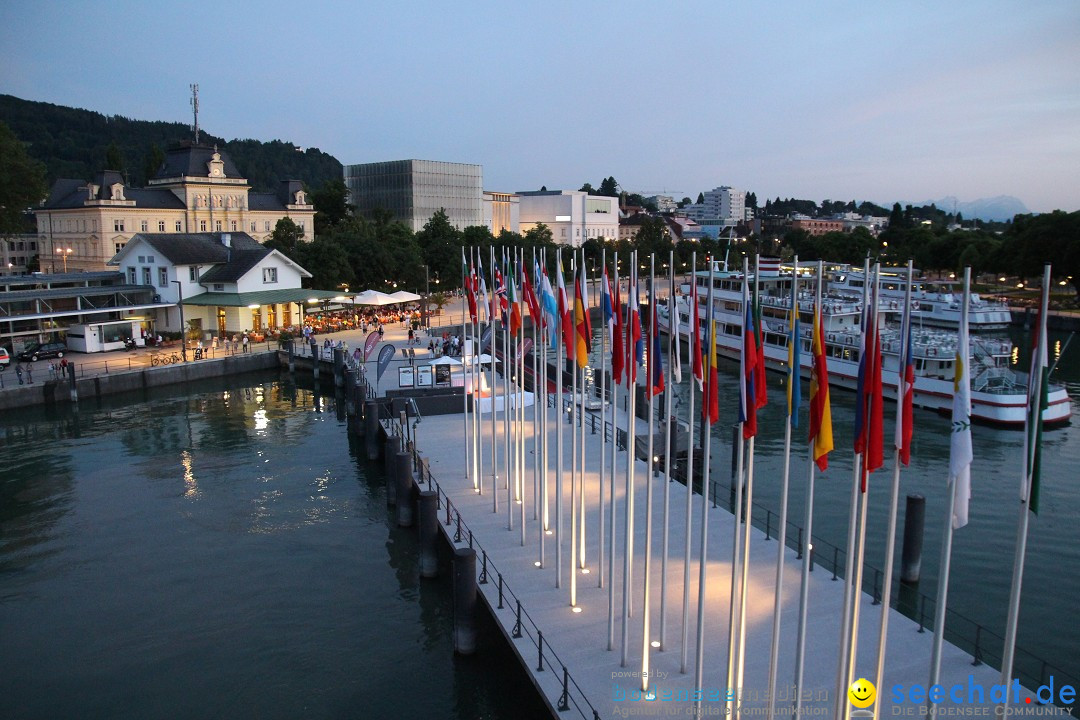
x: 998, y: 393
x: 933, y: 304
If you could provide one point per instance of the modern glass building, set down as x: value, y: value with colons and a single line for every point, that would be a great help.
x: 414, y: 190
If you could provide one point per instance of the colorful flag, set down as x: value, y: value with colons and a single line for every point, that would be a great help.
x: 820, y: 410
x: 960, y: 452
x: 710, y: 406
x: 748, y: 361
x: 483, y: 292
x: 794, y: 392
x: 582, y: 326
x: 500, y: 294
x: 635, y: 347
x: 874, y: 454
x: 675, y: 330
x: 606, y: 310
x: 905, y: 429
x: 513, y: 299
x: 695, y: 334
x: 564, y: 315
x: 656, y: 362
x: 531, y: 299
x: 551, y: 305
x: 618, y: 352
x: 760, y: 383
x: 470, y: 286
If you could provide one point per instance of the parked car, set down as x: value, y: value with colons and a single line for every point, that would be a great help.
x: 5, y: 358
x: 34, y: 351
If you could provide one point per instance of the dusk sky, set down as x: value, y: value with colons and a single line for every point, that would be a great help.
x: 839, y: 100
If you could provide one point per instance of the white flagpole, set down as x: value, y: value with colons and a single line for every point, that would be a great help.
x: 581, y: 423
x: 894, y: 498
x: 781, y: 537
x: 673, y: 318
x: 693, y: 329
x: 519, y: 296
x: 603, y: 431
x: 573, y: 439
x: 849, y: 557
x: 558, y: 431
x: 650, y: 368
x: 611, y: 481
x: 469, y: 476
x: 706, y: 444
x: 962, y: 355
x: 631, y: 449
x: 508, y: 364
x: 491, y: 392
x: 1031, y: 451
x: 734, y: 611
x: 474, y: 370
x: 808, y: 522
x: 535, y: 321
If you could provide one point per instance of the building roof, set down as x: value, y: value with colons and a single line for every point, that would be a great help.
x: 68, y: 193
x: 200, y: 248
x: 264, y: 201
x: 260, y: 297
x: 239, y: 264
x: 191, y: 160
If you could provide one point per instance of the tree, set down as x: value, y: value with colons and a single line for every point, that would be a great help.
x: 22, y: 182
x: 587, y: 188
x: 751, y: 200
x: 332, y: 206
x: 114, y: 159
x: 701, y: 198
x: 539, y: 235
x: 328, y: 263
x: 440, y: 246
x: 684, y: 202
x: 608, y: 187
x: 286, y: 238
x: 152, y: 162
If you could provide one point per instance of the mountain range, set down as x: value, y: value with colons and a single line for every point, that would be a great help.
x: 998, y: 209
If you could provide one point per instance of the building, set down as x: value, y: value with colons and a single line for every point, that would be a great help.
x: 572, y: 215
x: 664, y: 203
x: 720, y: 206
x: 817, y: 226
x: 197, y: 189
x: 223, y: 283
x: 18, y: 252
x: 502, y: 211
x: 414, y: 190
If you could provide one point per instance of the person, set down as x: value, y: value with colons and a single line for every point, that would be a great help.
x: 431, y: 345
x: 380, y: 332
x: 245, y: 341
x: 411, y: 335
x: 18, y: 372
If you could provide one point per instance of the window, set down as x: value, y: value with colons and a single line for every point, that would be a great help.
x: 149, y: 259
x: 202, y: 226
x: 119, y: 247
x: 266, y: 226
x: 219, y: 287
x: 163, y: 277
x: 217, y: 226
x: 146, y: 276
x: 270, y: 275
x: 301, y: 226
x: 179, y: 227
x: 252, y: 226
x: 193, y: 273
x: 232, y: 225
x: 142, y: 259
x: 118, y: 225
x: 144, y: 226
x: 161, y: 226
x: 131, y: 275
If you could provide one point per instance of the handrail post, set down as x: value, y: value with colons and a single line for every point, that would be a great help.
x: 977, y: 659
x: 516, y: 633
x: 835, y: 561
x: 500, y: 592
x: 483, y: 570
x: 540, y: 650
x: 564, y: 700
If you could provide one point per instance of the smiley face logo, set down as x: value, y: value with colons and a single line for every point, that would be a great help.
x: 862, y: 693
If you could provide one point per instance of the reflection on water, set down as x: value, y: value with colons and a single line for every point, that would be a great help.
x: 213, y: 553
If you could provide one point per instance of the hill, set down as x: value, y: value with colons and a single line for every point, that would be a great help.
x: 74, y: 143
x: 999, y: 209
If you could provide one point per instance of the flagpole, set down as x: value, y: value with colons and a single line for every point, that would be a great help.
x: 849, y: 556
x: 614, y: 450
x: 603, y: 431
x: 736, y: 543
x: 536, y: 328
x: 581, y: 417
x: 631, y: 449
x: 476, y: 369
x: 781, y: 538
x: 864, y: 496
x: 519, y: 296
x: 808, y: 517
x: 469, y: 477
x: 1031, y: 442
x: 651, y: 370
x: 706, y: 445
x: 508, y: 365
x: 894, y: 498
x: 573, y: 447
x: 491, y: 392
x: 559, y: 431
x: 962, y: 376
x: 673, y: 329
x: 694, y: 333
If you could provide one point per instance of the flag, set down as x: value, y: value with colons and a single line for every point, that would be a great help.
x: 695, y: 334
x: 794, y: 398
x: 710, y: 406
x: 564, y: 315
x: 906, y: 394
x: 531, y: 299
x: 1038, y: 400
x: 551, y: 305
x: 760, y: 384
x: 470, y: 286
x: 606, y: 310
x: 513, y: 299
x: 582, y: 326
x: 820, y: 411
x: 748, y: 361
x: 674, y: 330
x: 483, y: 286
x: 860, y: 383
x: 656, y: 362
x: 635, y: 347
x: 960, y: 452
x: 500, y: 294
x: 618, y: 352
x: 874, y: 452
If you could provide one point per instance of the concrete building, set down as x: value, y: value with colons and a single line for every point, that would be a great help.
x: 721, y: 206
x: 664, y: 203
x: 502, y: 211
x: 197, y: 189
x: 817, y: 226
x: 414, y: 190
x: 18, y: 252
x: 572, y: 215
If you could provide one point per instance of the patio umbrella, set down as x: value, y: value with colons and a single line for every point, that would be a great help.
x: 374, y: 297
x: 404, y: 296
x: 446, y: 360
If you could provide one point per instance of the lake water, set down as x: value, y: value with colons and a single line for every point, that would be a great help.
x: 222, y: 550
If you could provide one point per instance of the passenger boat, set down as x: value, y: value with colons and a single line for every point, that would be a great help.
x: 998, y: 393
x: 934, y: 304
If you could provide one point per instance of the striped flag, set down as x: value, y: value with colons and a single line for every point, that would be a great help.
x: 960, y: 452
x: 905, y: 429
x: 531, y: 299
x: 710, y: 406
x: 551, y: 305
x: 656, y: 362
x: 618, y: 352
x: 513, y: 299
x: 606, y: 310
x: 635, y: 347
x: 760, y: 383
x: 564, y: 315
x: 748, y: 360
x: 470, y: 286
x: 675, y: 331
x: 483, y: 286
x: 582, y: 326
x: 820, y: 410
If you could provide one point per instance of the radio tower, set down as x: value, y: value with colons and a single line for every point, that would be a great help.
x: 195, y: 107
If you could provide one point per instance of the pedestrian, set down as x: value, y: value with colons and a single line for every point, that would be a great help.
x: 245, y: 341
x: 411, y: 335
x: 52, y: 371
x: 18, y: 372
x: 63, y: 367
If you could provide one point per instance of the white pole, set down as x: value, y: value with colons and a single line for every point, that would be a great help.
x: 694, y: 331
x: 508, y: 365
x: 491, y: 393
x: 574, y: 417
x: 558, y: 432
x: 469, y: 476
x: 581, y: 423
x: 603, y: 431
x: 611, y: 480
x: 706, y: 443
x: 650, y: 369
x: 668, y: 392
x: 781, y: 536
x: 894, y: 497
x: 631, y: 384
x: 1031, y: 449
x: 519, y: 297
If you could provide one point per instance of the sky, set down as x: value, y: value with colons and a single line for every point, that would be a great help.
x: 879, y: 101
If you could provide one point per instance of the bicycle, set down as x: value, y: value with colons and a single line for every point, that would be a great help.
x: 164, y: 359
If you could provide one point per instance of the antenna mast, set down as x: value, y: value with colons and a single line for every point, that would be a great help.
x: 195, y: 107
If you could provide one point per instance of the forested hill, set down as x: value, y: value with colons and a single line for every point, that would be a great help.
x: 74, y: 143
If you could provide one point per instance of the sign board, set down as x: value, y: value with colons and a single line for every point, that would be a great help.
x: 423, y: 376
x: 442, y: 375
x: 405, y: 377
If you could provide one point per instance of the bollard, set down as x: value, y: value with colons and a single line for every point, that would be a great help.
x: 371, y: 429
x: 404, y: 481
x: 464, y: 601
x: 428, y: 512
x: 911, y: 558
x: 339, y: 367
x: 391, y: 447
x: 70, y: 367
x: 292, y: 356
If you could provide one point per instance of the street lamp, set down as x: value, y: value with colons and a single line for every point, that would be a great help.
x: 427, y: 294
x: 180, y: 304
x: 64, y: 252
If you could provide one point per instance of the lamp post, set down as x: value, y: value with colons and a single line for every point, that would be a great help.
x: 180, y: 304
x: 427, y: 294
x: 63, y: 252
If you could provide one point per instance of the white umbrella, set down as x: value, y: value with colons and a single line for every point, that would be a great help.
x: 374, y: 297
x: 404, y: 296
x: 446, y: 360
x: 483, y: 359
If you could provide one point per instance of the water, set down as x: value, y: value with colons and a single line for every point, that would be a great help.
x: 982, y: 555
x: 221, y: 552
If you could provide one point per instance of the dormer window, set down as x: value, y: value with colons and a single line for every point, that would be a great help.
x: 270, y: 275
x: 300, y: 198
x: 117, y: 191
